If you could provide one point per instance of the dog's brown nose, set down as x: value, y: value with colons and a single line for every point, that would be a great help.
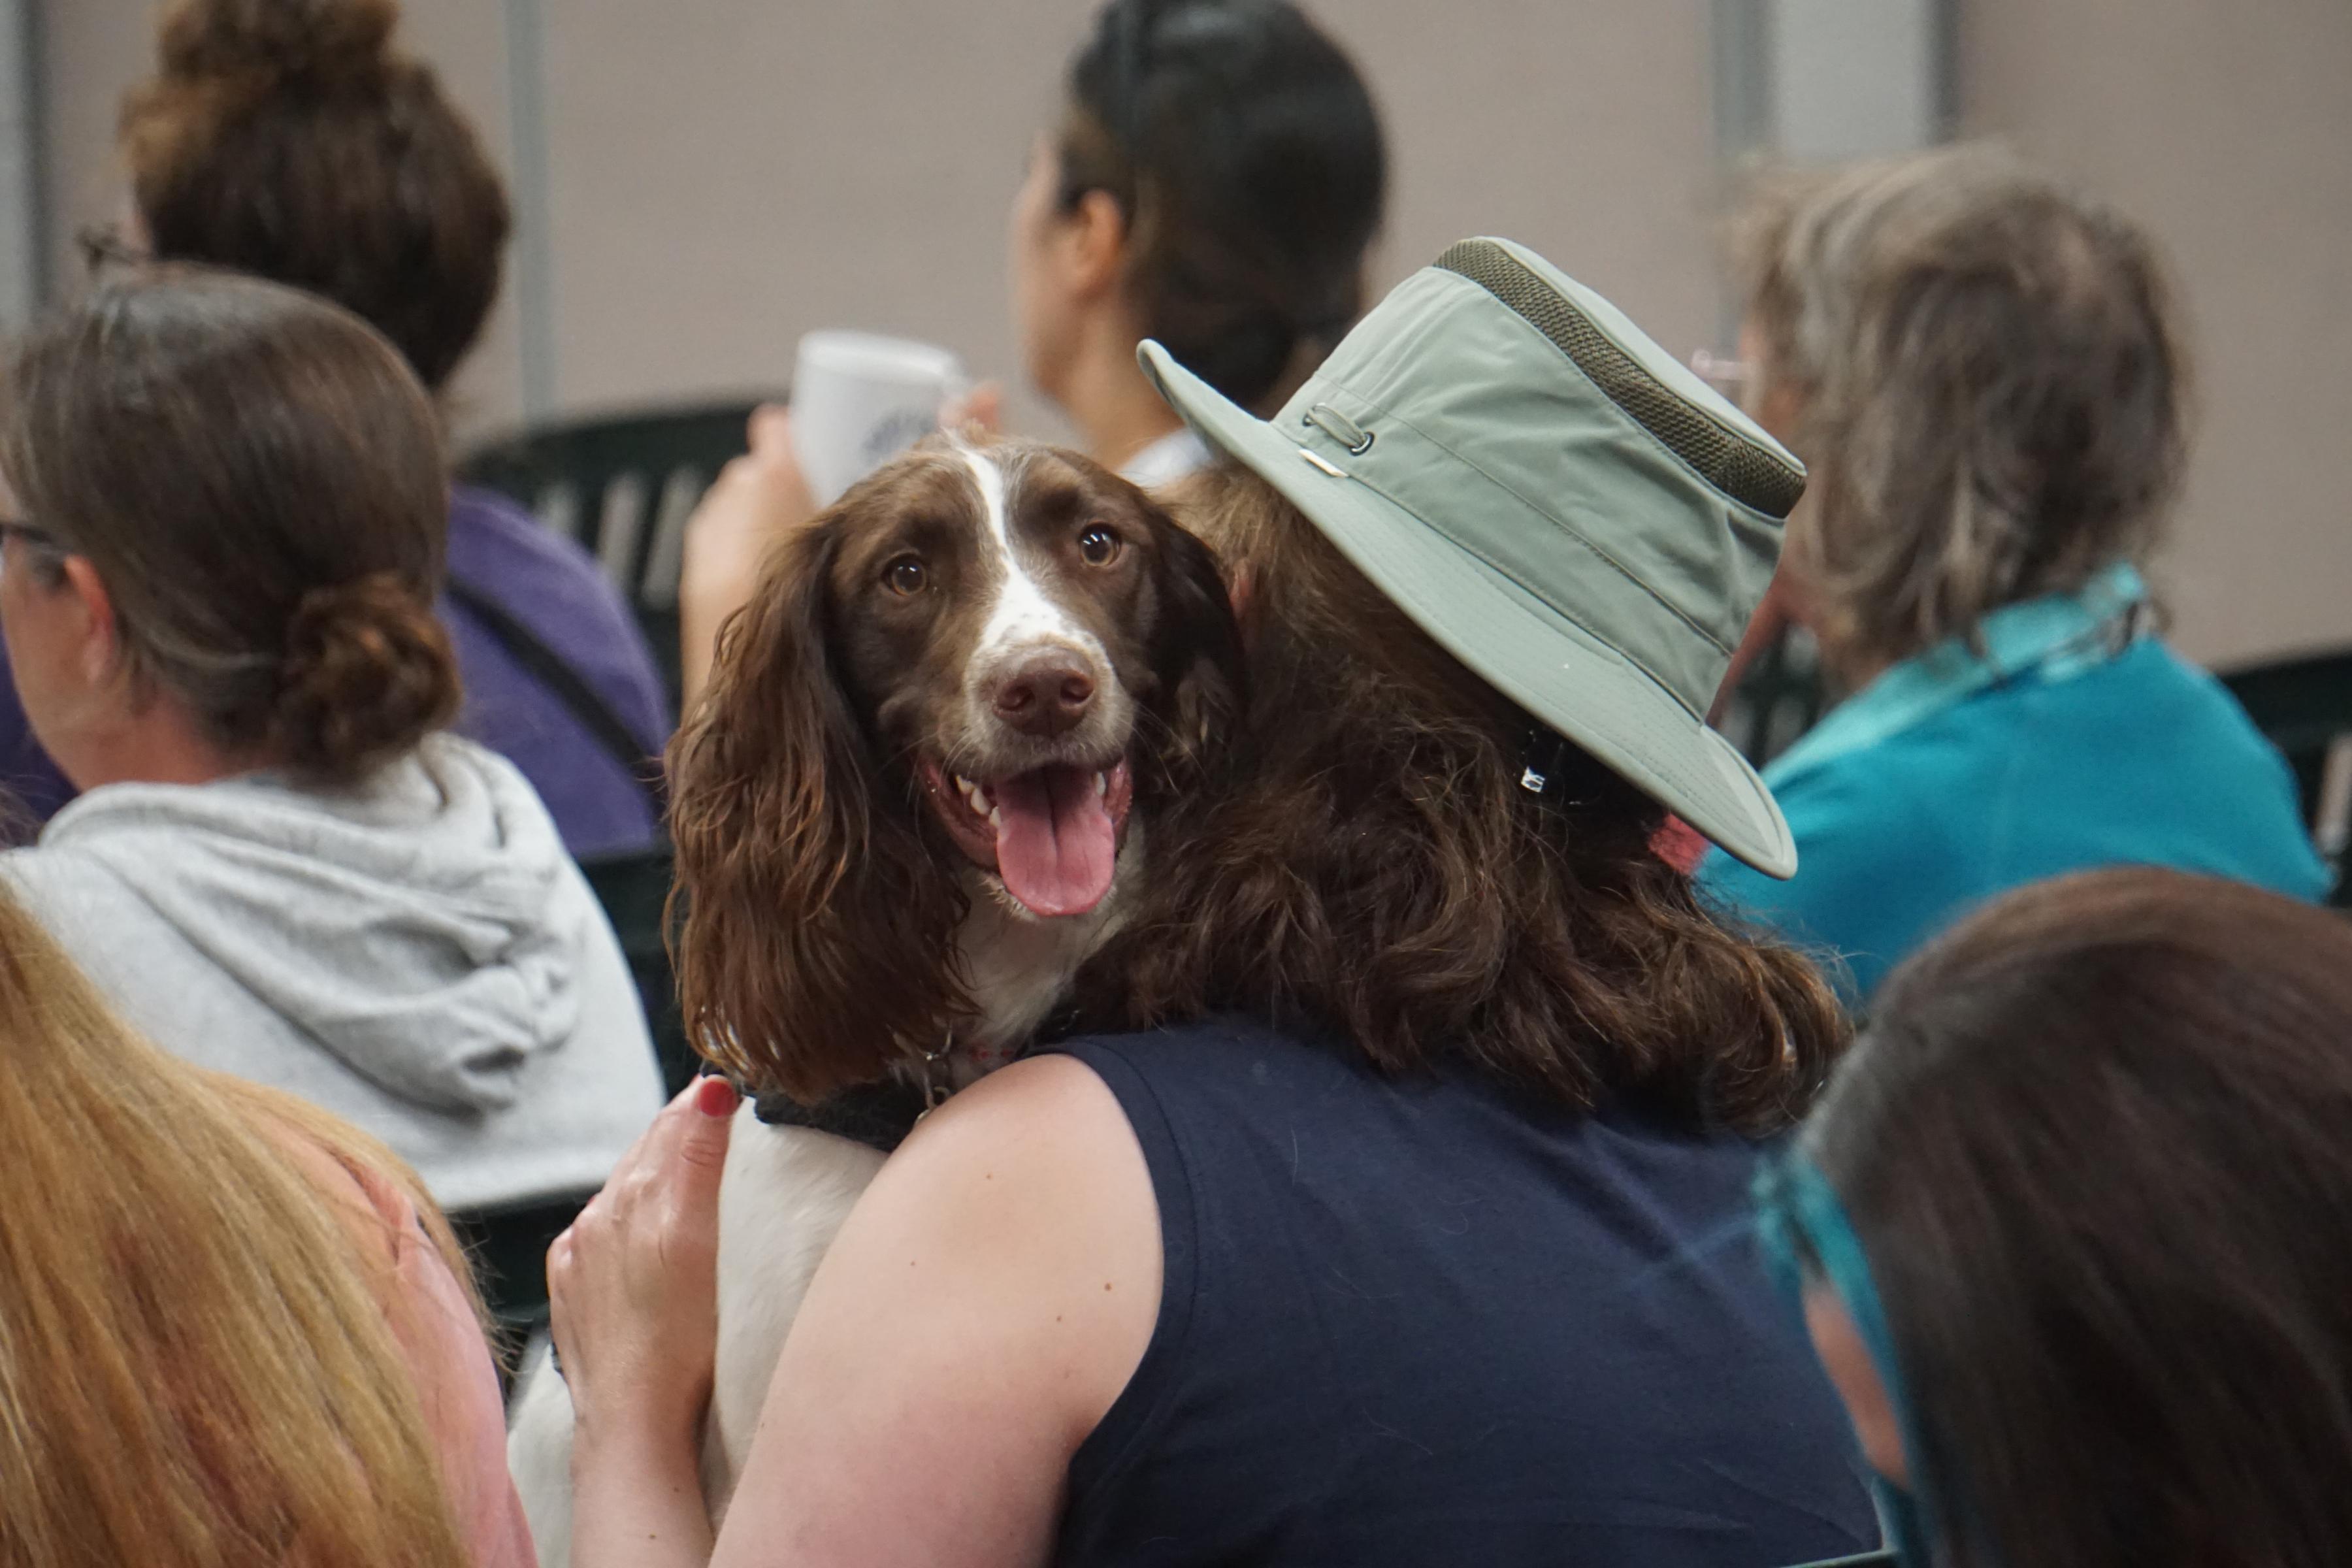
x: 1046, y: 695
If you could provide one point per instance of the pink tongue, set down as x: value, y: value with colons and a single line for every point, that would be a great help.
x: 1054, y: 843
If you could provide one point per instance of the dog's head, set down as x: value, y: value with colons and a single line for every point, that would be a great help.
x: 962, y: 680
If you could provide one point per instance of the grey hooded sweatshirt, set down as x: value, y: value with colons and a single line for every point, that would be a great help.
x: 418, y: 956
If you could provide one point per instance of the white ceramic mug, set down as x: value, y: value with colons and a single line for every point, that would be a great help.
x: 859, y: 400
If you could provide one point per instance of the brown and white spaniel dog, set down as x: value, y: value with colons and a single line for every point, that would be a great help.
x: 910, y: 806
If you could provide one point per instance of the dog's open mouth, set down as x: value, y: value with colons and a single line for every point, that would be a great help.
x: 1050, y: 834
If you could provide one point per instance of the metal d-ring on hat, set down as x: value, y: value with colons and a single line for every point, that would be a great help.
x: 1555, y: 500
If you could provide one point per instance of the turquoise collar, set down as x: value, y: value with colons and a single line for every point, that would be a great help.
x: 1806, y: 1236
x: 2049, y: 638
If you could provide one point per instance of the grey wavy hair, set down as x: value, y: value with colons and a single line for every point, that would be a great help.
x: 1990, y: 389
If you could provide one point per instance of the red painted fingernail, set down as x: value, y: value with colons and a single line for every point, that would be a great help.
x: 715, y: 1097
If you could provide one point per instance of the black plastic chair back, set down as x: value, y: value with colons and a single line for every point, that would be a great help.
x: 1780, y: 697
x: 508, y: 1248
x: 633, y: 889
x: 623, y: 485
x: 2305, y: 707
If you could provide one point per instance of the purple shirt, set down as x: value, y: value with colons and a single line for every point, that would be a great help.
x: 553, y: 588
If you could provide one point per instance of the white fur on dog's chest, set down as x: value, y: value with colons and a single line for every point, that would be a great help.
x: 782, y: 1200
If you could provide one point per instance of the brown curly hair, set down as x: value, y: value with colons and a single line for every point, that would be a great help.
x: 290, y: 139
x: 1368, y: 866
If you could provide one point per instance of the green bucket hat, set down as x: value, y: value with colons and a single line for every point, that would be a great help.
x: 1559, y: 502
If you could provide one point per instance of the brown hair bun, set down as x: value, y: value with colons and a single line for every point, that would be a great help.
x: 293, y: 140
x: 271, y: 42
x: 368, y: 674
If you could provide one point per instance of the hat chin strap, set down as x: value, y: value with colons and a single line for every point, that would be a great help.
x: 1541, y: 752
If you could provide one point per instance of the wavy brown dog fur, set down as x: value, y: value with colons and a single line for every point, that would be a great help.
x: 1370, y: 866
x: 821, y: 899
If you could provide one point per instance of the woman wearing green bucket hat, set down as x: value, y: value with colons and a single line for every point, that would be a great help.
x: 1409, y: 1223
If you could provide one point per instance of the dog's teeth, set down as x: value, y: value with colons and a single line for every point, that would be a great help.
x: 995, y: 818
x: 1102, y: 786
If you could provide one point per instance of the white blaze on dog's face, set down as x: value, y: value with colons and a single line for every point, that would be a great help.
x: 1007, y: 614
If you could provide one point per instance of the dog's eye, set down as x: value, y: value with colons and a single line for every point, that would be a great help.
x: 1098, y: 546
x: 905, y: 576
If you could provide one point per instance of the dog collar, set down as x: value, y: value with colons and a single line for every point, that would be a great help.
x: 878, y: 1115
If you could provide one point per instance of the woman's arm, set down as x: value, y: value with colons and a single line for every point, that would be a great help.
x: 635, y: 1288
x: 984, y: 1305
x: 636, y: 1499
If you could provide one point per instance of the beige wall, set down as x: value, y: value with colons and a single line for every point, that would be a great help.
x: 720, y: 189
x: 2227, y: 130
x: 725, y: 175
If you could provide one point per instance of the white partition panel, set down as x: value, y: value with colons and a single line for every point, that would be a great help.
x: 23, y: 256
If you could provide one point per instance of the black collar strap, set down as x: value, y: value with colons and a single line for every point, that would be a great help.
x: 878, y: 1115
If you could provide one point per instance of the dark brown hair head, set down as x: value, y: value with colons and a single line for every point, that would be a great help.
x: 1991, y: 385
x: 291, y: 140
x: 2096, y: 1143
x: 1371, y: 866
x: 1246, y: 156
x: 257, y: 478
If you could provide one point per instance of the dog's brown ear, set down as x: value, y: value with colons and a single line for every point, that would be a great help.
x: 814, y: 942
x: 1197, y: 651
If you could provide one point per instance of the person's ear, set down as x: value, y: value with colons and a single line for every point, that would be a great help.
x: 1237, y: 592
x: 1780, y: 408
x: 96, y: 647
x: 1093, y: 245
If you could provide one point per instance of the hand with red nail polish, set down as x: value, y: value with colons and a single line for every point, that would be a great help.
x: 634, y: 1285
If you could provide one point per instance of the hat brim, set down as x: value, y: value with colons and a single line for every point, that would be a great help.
x: 1560, y: 673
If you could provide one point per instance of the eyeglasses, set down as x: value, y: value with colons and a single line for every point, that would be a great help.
x: 34, y: 536
x: 1732, y: 377
x: 104, y: 245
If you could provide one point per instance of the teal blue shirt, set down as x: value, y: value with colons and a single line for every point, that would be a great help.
x: 2073, y: 741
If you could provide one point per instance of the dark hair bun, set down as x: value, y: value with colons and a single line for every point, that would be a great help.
x: 368, y: 674
x: 320, y: 42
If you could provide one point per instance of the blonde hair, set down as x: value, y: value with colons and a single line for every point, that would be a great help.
x: 195, y: 1363
x: 1990, y: 382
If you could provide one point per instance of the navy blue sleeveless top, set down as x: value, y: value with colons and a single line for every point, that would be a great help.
x: 1440, y: 1322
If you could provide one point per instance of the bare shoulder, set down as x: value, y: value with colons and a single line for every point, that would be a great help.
x: 1057, y: 1101
x: 981, y: 1311
x: 1026, y: 1200
x: 1041, y: 1149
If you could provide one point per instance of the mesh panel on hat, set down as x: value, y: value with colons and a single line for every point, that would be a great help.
x: 1748, y: 473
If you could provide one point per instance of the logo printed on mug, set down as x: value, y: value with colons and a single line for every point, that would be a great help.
x: 893, y: 434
